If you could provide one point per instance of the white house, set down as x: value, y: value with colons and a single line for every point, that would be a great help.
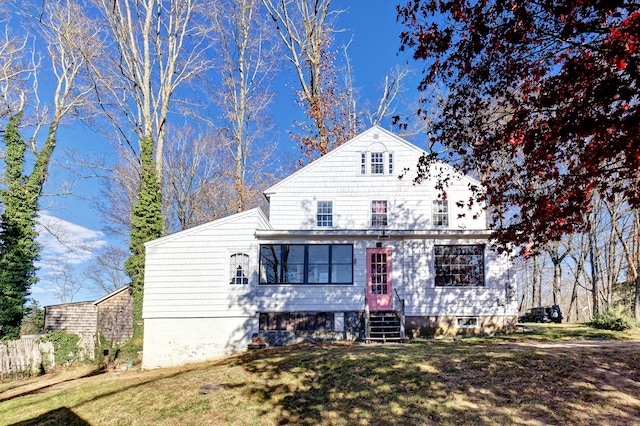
x: 349, y: 251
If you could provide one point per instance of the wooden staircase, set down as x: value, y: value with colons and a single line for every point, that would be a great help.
x: 385, y: 326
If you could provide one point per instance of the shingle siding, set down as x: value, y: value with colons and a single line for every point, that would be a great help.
x: 72, y: 318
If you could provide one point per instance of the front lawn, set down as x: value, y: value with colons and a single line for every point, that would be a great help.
x: 476, y: 381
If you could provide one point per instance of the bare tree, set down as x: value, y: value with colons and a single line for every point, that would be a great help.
x: 15, y: 70
x: 553, y: 249
x: 159, y: 47
x: 305, y: 28
x: 393, y: 85
x: 246, y: 57
x: 118, y: 192
x: 71, y: 40
x: 194, y: 178
x: 64, y: 279
x: 200, y: 183
x: 106, y: 272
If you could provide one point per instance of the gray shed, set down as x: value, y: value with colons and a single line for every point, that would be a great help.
x: 112, y: 315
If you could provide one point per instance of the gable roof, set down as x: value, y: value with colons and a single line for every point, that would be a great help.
x: 255, y: 213
x: 367, y: 135
x: 113, y: 293
x: 327, y: 157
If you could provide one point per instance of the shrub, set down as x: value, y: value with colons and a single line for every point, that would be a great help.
x: 65, y: 346
x: 613, y: 319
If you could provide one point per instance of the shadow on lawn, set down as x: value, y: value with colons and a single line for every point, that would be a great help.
x: 43, y: 388
x: 452, y: 383
x: 61, y: 416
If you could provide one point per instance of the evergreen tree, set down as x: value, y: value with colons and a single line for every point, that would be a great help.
x: 18, y: 247
x: 33, y: 321
x: 146, y: 222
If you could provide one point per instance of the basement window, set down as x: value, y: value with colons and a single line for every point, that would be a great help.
x: 467, y: 322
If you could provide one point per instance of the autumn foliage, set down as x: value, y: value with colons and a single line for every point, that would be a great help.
x: 542, y: 103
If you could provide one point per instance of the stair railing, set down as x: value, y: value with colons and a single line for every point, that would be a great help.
x: 367, y: 319
x: 398, y: 307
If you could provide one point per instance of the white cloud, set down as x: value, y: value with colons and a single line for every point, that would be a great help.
x: 63, y: 241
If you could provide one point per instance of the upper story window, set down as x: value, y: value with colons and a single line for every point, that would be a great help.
x: 306, y: 264
x: 440, y: 213
x: 459, y: 265
x: 324, y: 213
x: 379, y: 213
x: 377, y: 163
x: 239, y: 268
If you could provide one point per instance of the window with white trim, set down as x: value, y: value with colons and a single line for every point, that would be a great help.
x: 390, y: 163
x: 239, y: 268
x: 324, y: 213
x: 379, y: 213
x: 377, y: 163
x: 363, y: 163
x: 440, y: 213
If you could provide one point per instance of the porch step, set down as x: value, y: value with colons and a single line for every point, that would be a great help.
x: 384, y: 326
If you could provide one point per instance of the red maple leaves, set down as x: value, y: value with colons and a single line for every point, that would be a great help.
x: 543, y: 103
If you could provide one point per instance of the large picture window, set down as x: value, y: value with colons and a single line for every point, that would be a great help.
x: 306, y: 264
x: 459, y: 265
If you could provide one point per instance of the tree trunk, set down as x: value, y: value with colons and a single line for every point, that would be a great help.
x: 636, y: 302
x: 536, y: 295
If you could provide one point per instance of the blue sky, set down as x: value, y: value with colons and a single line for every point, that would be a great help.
x: 370, y: 24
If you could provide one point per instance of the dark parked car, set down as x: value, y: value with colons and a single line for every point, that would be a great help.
x: 543, y: 314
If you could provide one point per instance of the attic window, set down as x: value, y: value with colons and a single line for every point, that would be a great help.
x: 377, y: 163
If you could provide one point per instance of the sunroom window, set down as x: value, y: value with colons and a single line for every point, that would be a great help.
x: 306, y: 264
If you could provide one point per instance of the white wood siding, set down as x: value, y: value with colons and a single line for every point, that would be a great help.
x: 414, y: 262
x: 336, y: 177
x: 188, y: 274
x: 412, y: 277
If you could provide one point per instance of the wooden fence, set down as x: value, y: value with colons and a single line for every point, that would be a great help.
x: 29, y: 356
x: 25, y: 357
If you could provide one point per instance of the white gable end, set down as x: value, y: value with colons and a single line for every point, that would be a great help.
x: 367, y: 169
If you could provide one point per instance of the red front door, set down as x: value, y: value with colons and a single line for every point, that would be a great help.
x: 379, y: 295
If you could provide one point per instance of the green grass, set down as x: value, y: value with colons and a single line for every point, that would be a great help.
x: 476, y: 381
